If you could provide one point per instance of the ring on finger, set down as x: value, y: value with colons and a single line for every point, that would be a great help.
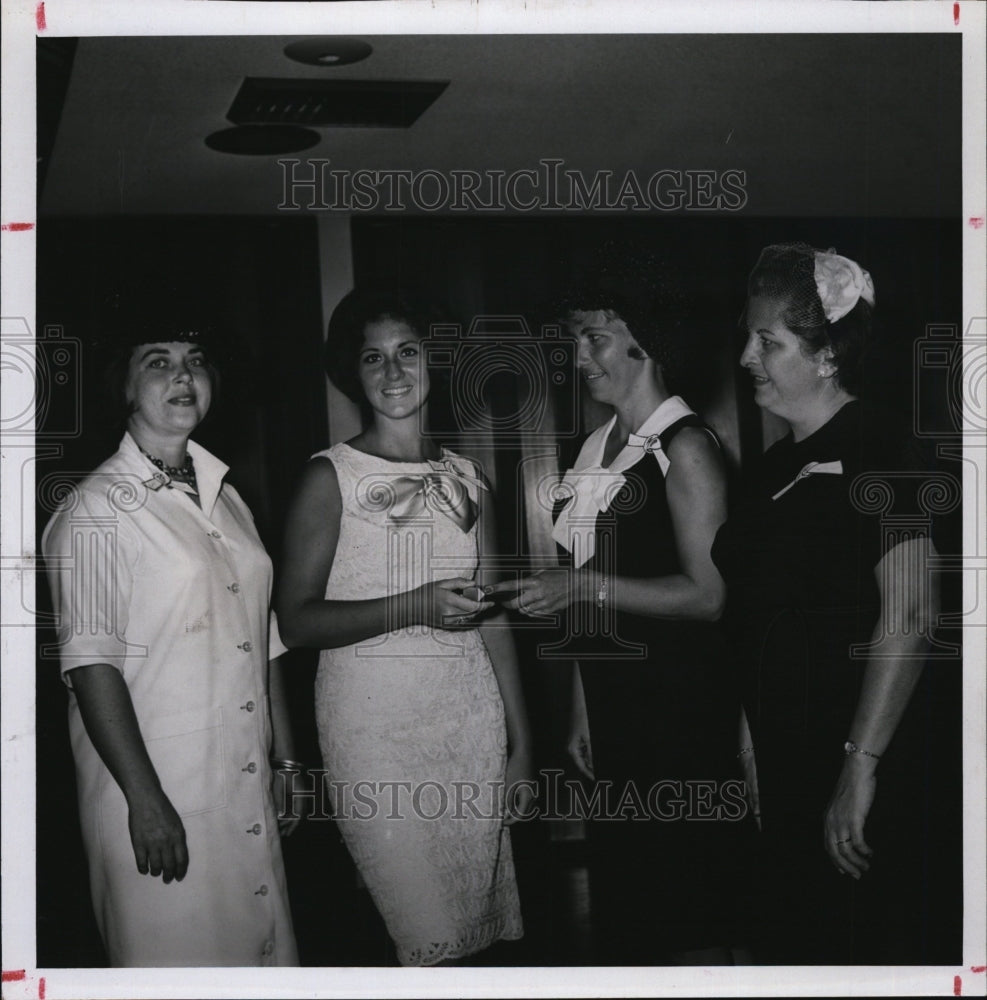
x: 840, y: 843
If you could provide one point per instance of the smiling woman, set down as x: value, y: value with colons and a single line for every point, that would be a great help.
x: 830, y: 617
x: 169, y: 654
x: 805, y: 361
x: 609, y: 358
x: 168, y: 391
x: 384, y: 554
x: 394, y: 380
x: 637, y: 517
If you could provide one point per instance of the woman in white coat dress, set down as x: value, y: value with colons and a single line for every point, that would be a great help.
x: 162, y: 588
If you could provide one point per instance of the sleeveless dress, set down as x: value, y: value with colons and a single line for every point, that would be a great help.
x: 668, y: 835
x: 411, y: 723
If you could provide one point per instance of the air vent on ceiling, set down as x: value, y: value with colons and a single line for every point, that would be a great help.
x: 345, y: 103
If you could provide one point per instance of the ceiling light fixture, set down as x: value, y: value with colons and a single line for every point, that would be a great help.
x: 328, y: 51
x: 263, y: 140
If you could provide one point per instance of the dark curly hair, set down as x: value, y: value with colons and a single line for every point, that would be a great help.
x: 650, y: 295
x: 148, y: 314
x: 346, y: 332
x: 786, y: 271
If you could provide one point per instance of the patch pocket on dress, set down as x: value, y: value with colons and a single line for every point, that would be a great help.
x: 189, y: 755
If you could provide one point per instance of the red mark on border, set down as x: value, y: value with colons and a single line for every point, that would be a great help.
x: 39, y: 16
x: 957, y: 986
x: 956, y: 13
x: 978, y: 968
x: 977, y: 221
x: 19, y: 975
x: 17, y: 227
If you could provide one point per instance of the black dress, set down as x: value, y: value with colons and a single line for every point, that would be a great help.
x: 798, y: 555
x: 668, y: 833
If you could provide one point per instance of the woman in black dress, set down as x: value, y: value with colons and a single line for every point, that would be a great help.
x: 811, y: 575
x: 641, y: 598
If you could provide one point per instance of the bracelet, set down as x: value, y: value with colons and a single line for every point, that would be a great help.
x: 602, y: 593
x: 745, y: 750
x: 281, y: 764
x: 850, y: 747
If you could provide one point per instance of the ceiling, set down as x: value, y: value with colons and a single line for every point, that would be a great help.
x: 845, y: 125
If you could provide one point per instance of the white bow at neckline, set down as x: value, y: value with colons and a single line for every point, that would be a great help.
x: 451, y: 487
x: 589, y: 488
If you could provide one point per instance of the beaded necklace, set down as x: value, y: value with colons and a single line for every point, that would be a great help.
x: 184, y: 473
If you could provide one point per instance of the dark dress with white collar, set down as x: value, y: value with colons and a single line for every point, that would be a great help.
x: 667, y: 839
x: 798, y: 554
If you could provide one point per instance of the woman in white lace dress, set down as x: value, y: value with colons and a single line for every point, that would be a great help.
x: 421, y: 721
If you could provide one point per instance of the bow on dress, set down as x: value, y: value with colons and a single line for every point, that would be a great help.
x: 451, y: 488
x: 589, y: 488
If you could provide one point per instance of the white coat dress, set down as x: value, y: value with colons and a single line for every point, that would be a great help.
x: 177, y: 599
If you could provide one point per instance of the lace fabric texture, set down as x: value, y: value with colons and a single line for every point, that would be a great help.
x: 411, y: 727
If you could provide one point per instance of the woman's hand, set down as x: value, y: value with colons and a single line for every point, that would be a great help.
x: 443, y: 605
x: 281, y: 787
x: 909, y: 608
x: 579, y: 745
x: 158, y: 836
x: 581, y: 752
x: 156, y: 831
x: 540, y: 593
x: 307, y: 618
x: 843, y: 822
x: 748, y: 767
x: 519, y: 786
x: 282, y: 758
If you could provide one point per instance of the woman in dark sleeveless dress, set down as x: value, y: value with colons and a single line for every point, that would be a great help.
x: 812, y: 573
x: 641, y: 597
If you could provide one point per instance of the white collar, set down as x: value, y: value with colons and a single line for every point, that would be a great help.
x: 589, y: 488
x: 209, y: 470
x: 646, y: 436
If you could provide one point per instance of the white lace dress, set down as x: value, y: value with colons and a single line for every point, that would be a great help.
x: 411, y: 727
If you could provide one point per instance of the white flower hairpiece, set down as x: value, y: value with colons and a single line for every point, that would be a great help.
x: 841, y: 283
